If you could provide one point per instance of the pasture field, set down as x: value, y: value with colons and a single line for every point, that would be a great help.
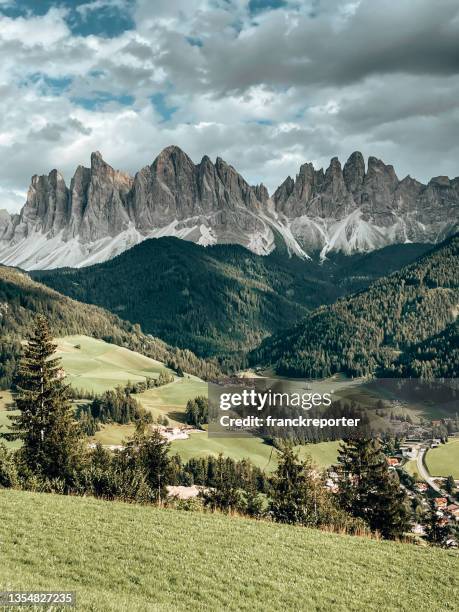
x: 170, y: 400
x: 200, y: 445
x: 323, y: 454
x: 98, y: 366
x: 411, y: 468
x: 262, y: 455
x: 119, y: 556
x: 444, y: 460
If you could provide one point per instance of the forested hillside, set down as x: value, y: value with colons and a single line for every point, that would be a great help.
x: 221, y: 300
x: 21, y: 298
x: 435, y: 357
x: 380, y: 329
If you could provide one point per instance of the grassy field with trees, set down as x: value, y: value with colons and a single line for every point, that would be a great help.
x: 122, y: 556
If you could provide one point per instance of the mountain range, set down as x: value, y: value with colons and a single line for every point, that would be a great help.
x: 355, y: 208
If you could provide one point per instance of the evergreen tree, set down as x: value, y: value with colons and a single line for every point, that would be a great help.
x: 435, y: 532
x: 296, y: 494
x: 225, y: 494
x: 368, y: 490
x: 450, y: 484
x: 149, y: 450
x: 197, y: 411
x: 51, y: 438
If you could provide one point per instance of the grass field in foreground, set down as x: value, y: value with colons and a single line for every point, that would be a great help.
x: 126, y: 557
x: 444, y: 460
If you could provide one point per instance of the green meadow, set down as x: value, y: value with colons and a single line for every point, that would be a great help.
x: 444, y: 460
x: 411, y: 467
x: 118, y: 556
x: 261, y: 454
x: 95, y: 365
x: 201, y: 445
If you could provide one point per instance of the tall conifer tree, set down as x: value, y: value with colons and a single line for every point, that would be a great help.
x: 51, y: 437
x: 368, y: 490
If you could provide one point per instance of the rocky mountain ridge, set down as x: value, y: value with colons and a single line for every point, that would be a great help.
x: 105, y: 211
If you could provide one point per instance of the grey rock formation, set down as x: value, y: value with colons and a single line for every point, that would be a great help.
x: 360, y: 209
x: 105, y: 211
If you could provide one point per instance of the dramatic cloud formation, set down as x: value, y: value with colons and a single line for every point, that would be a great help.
x: 265, y: 84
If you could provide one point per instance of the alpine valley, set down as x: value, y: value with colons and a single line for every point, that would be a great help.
x: 350, y: 209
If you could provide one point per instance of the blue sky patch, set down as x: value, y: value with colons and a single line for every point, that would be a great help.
x: 194, y: 41
x: 101, y: 98
x: 108, y: 20
x: 259, y: 6
x: 161, y: 106
x: 47, y: 85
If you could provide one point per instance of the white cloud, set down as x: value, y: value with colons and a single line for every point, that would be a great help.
x: 266, y: 92
x: 35, y: 30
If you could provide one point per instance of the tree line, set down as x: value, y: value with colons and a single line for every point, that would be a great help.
x: 117, y: 405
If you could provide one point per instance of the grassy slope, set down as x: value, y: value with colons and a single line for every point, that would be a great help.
x: 200, y: 445
x: 263, y: 455
x: 98, y: 366
x: 119, y: 557
x: 324, y: 454
x: 444, y: 460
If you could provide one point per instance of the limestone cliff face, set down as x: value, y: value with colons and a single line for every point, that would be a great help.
x: 356, y: 207
x: 173, y: 188
x: 360, y: 209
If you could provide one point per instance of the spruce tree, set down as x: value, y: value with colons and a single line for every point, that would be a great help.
x: 225, y: 493
x: 51, y: 438
x: 368, y: 490
x: 296, y: 494
x: 148, y: 450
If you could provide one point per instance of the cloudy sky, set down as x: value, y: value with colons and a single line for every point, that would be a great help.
x: 265, y: 84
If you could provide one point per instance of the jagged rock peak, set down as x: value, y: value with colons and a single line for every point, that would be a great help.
x: 354, y: 171
x: 173, y: 152
x: 261, y: 192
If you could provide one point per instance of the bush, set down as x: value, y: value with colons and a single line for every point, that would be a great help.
x: 8, y: 469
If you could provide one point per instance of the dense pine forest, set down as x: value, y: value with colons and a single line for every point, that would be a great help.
x: 21, y: 299
x: 435, y: 357
x: 401, y: 325
x: 221, y: 300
